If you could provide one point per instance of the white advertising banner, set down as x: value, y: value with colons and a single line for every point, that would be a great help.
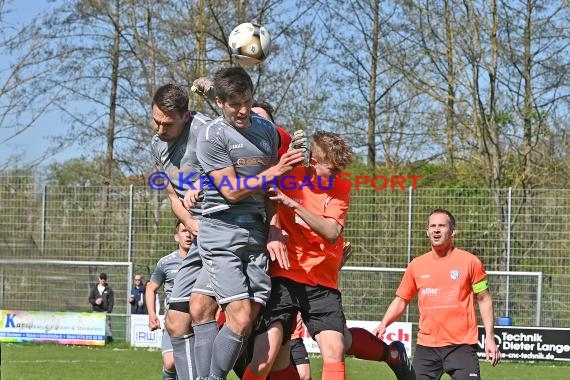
x: 47, y: 326
x: 401, y: 331
x: 141, y: 336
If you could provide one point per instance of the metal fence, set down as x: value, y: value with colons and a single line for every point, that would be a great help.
x: 510, y: 230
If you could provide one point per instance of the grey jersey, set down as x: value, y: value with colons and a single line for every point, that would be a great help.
x: 178, y: 158
x: 249, y: 150
x: 165, y: 273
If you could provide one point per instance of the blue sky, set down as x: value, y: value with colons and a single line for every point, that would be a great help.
x: 34, y: 141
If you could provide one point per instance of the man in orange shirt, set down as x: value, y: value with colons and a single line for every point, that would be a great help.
x: 312, y: 202
x: 447, y: 281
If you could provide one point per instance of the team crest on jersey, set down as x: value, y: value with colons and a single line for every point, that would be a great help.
x: 266, y: 147
x: 454, y: 274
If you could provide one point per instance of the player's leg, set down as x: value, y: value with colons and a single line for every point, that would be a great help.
x: 274, y: 326
x: 300, y: 358
x: 364, y: 345
x: 236, y: 260
x: 325, y: 321
x: 461, y: 363
x: 428, y: 363
x: 203, y: 308
x: 399, y: 362
x: 178, y: 319
x: 168, y: 367
x: 284, y: 368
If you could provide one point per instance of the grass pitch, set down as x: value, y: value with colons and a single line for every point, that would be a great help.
x: 21, y: 361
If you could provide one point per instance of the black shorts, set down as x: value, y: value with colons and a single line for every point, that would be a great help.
x: 458, y: 361
x: 184, y: 307
x: 320, y: 307
x: 299, y: 354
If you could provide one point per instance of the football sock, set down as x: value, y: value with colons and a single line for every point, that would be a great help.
x: 334, y: 371
x: 204, y: 333
x: 289, y: 373
x: 181, y: 350
x: 226, y: 349
x: 248, y: 375
x: 366, y: 346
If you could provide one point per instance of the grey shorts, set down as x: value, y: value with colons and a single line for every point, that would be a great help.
x: 166, y: 342
x: 186, y: 277
x: 236, y: 261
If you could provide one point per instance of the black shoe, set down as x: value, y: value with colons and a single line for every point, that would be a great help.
x: 398, y: 360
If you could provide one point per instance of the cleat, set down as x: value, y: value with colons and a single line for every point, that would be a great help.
x: 398, y: 361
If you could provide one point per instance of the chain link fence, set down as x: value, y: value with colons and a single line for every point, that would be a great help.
x: 509, y: 229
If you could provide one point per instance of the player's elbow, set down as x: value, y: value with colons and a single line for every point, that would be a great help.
x: 332, y: 237
x: 332, y: 233
x: 232, y: 197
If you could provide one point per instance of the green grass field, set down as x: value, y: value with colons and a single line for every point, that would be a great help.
x: 118, y: 361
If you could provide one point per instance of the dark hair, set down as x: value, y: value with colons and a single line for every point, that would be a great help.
x: 265, y: 106
x: 230, y: 82
x: 171, y: 98
x: 443, y: 211
x: 103, y: 276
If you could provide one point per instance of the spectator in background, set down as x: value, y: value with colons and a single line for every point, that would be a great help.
x: 102, y: 300
x: 137, y: 299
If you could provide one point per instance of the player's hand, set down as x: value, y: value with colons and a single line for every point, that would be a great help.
x: 191, y: 198
x: 277, y: 195
x: 277, y: 247
x: 289, y: 160
x: 99, y: 301
x: 203, y: 86
x: 379, y: 331
x: 192, y: 226
x: 153, y: 322
x: 346, y: 253
x: 492, y: 350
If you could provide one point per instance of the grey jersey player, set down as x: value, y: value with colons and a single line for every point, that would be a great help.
x: 174, y: 151
x: 234, y: 148
x: 164, y: 275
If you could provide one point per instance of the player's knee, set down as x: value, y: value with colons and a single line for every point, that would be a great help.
x: 202, y: 309
x: 333, y: 352
x: 177, y: 323
x: 168, y: 362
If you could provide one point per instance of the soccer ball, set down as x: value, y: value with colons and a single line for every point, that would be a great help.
x: 249, y: 44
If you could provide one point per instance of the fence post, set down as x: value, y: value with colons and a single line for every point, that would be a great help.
x: 539, y: 300
x: 509, y: 208
x: 409, y: 239
x: 130, y: 232
x: 43, y: 222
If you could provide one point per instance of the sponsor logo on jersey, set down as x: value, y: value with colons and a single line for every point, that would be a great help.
x: 429, y: 291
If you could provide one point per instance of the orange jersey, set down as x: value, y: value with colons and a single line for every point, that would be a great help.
x: 313, y: 260
x: 446, y: 300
